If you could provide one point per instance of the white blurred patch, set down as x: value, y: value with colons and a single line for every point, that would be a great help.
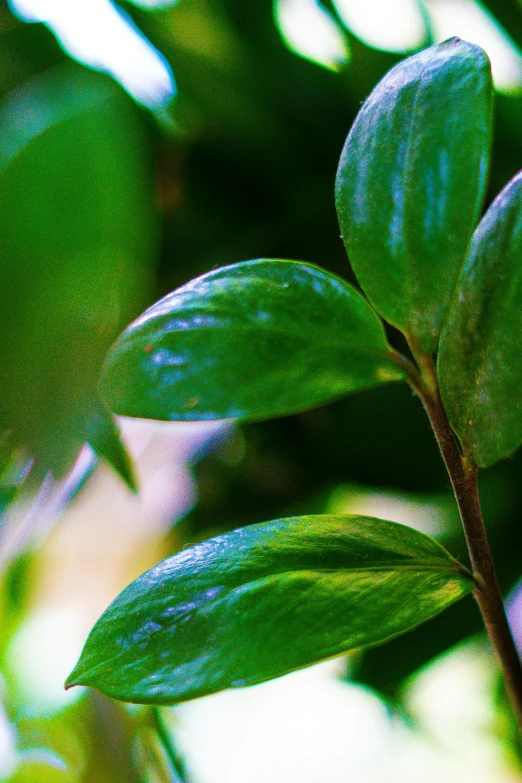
x: 309, y: 30
x: 453, y: 704
x: 43, y: 653
x: 153, y: 4
x: 391, y: 25
x: 302, y: 728
x: 309, y: 726
x: 451, y: 697
x: 28, y: 521
x: 98, y: 34
x: 471, y: 22
x: 107, y: 536
x: 430, y: 514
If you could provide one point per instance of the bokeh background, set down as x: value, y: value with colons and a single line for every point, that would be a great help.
x: 143, y: 143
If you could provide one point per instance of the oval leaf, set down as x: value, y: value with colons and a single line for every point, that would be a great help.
x: 411, y: 183
x: 480, y: 361
x: 254, y: 340
x: 265, y: 600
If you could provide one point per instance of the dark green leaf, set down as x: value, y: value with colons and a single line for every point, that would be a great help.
x: 480, y: 361
x: 252, y: 341
x: 104, y: 437
x: 265, y: 600
x: 411, y: 183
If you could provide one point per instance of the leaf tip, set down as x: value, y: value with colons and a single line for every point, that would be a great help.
x: 73, y: 679
x: 130, y: 478
x: 78, y: 676
x: 104, y: 437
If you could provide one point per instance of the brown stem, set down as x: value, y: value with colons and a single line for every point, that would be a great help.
x: 463, y: 474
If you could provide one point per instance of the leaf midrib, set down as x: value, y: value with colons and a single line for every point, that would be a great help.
x: 410, y: 265
x: 450, y: 567
x: 249, y: 325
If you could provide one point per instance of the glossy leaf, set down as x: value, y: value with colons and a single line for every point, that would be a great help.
x: 480, y: 362
x: 104, y: 437
x: 265, y: 600
x: 254, y: 340
x: 411, y: 183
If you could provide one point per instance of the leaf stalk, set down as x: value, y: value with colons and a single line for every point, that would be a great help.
x: 463, y: 474
x: 175, y: 763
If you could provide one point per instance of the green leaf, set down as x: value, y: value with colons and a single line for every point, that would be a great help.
x: 480, y: 361
x: 254, y: 340
x: 104, y: 437
x: 265, y: 600
x: 411, y: 183
x: 77, y: 231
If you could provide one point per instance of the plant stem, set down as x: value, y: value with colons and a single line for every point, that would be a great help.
x: 176, y: 765
x: 463, y: 474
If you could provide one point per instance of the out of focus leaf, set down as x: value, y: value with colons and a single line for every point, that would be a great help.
x: 411, y: 182
x: 265, y: 600
x: 252, y: 341
x: 77, y: 234
x: 104, y: 437
x: 44, y: 766
x: 480, y: 362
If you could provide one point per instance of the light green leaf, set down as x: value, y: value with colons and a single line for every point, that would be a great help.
x: 254, y: 340
x: 480, y: 360
x: 411, y: 183
x: 262, y: 601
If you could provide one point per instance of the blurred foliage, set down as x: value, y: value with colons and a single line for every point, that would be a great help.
x: 103, y: 209
x: 78, y: 235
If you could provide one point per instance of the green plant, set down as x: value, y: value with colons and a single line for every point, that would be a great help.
x: 267, y: 338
